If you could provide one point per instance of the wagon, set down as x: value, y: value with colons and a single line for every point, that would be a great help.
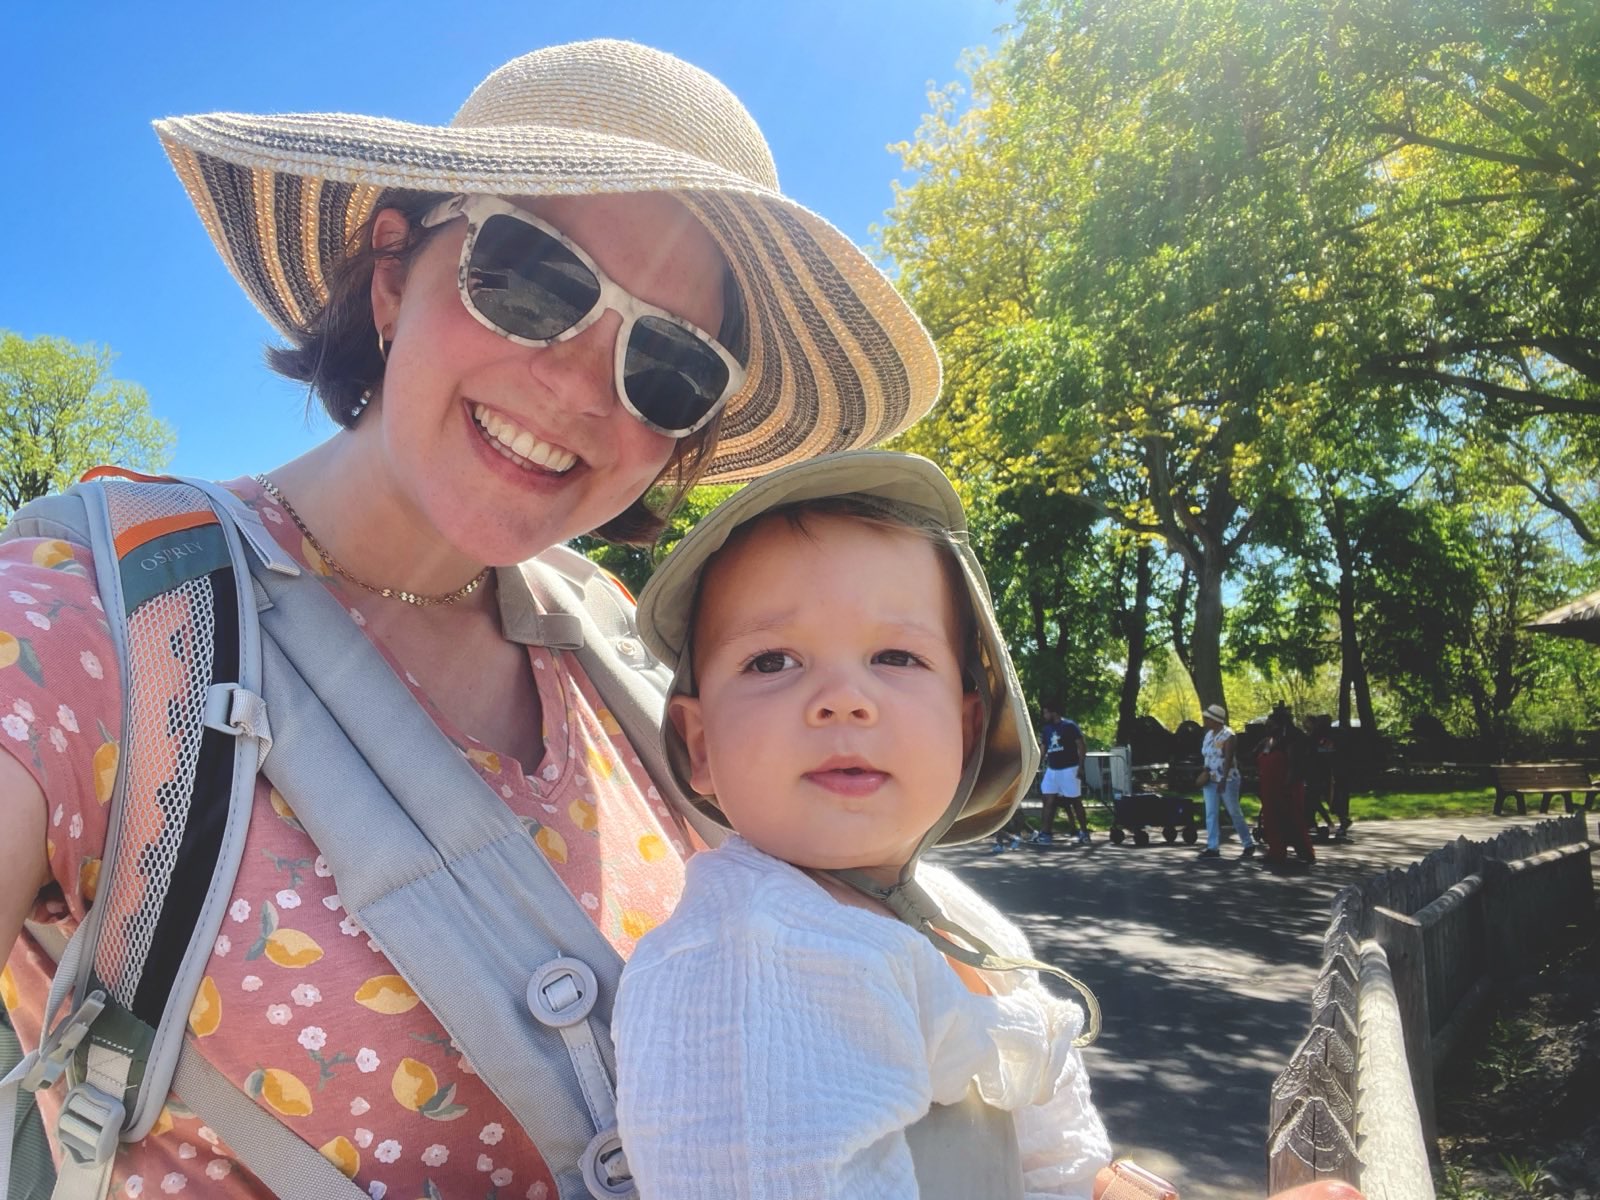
x: 1139, y: 812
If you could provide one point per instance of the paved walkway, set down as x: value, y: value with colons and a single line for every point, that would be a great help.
x: 1205, y: 971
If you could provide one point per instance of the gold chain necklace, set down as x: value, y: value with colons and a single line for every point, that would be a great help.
x: 416, y: 598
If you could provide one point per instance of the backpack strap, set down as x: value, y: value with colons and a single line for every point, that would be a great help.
x: 422, y: 849
x: 168, y: 569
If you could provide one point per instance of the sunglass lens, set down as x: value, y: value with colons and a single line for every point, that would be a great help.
x: 527, y: 282
x: 672, y: 377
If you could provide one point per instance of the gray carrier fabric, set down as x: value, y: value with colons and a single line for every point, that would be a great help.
x: 421, y: 849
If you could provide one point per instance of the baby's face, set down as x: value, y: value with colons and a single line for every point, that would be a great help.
x: 831, y: 723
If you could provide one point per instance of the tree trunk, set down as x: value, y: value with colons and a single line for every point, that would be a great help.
x: 1205, y: 644
x: 1135, y: 632
x: 1352, y: 668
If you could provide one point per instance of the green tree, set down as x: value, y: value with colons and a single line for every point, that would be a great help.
x: 61, y: 412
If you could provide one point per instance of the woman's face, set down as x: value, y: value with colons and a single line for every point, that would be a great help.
x: 580, y: 458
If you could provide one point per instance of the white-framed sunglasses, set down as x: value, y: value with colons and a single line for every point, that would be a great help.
x: 526, y: 280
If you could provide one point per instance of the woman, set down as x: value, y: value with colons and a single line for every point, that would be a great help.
x: 586, y: 289
x: 1220, y: 778
x: 1280, y: 780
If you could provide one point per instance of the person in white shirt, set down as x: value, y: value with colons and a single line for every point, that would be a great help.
x: 822, y: 1017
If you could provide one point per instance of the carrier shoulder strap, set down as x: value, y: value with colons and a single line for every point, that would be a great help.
x: 167, y: 569
x: 422, y: 849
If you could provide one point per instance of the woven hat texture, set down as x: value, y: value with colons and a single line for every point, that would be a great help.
x: 836, y: 359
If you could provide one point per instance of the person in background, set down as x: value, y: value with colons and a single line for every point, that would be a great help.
x: 1221, y: 781
x: 1064, y: 755
x: 1280, y: 781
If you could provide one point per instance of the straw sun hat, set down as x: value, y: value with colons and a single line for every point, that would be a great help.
x: 836, y: 359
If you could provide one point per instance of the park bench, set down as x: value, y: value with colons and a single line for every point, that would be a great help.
x: 1564, y: 779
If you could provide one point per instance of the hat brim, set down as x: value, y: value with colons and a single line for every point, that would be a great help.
x: 666, y: 609
x: 837, y: 360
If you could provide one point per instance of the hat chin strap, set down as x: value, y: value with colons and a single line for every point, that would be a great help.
x: 911, y: 903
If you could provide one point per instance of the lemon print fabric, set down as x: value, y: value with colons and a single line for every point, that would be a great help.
x: 415, y: 1087
x: 387, y: 994
x: 342, y: 1154
x: 281, y: 1090
x: 205, y: 1014
x: 285, y: 947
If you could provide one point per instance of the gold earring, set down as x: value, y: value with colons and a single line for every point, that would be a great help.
x: 383, y: 349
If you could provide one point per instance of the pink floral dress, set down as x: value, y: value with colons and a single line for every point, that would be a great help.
x: 297, y: 1006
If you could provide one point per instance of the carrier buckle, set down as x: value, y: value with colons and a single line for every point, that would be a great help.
x: 233, y: 709
x: 562, y: 992
x: 63, y: 1042
x: 90, y: 1124
x: 605, y: 1167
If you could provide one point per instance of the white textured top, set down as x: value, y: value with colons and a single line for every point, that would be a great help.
x: 775, y: 1043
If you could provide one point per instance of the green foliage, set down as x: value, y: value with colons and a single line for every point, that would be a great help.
x: 61, y: 413
x: 634, y: 564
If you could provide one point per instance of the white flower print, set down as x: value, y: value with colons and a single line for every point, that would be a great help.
x: 387, y: 1151
x: 207, y: 1134
x: 590, y: 901
x: 485, y: 1163
x: 223, y: 945
x: 332, y: 903
x: 653, y: 794
x: 37, y: 619
x: 239, y: 911
x: 58, y: 740
x: 278, y: 1014
x: 367, y: 1060
x: 75, y: 826
x: 134, y: 1185
x: 271, y: 513
x: 23, y: 598
x: 505, y: 791
x: 306, y: 994
x: 251, y: 983
x: 67, y: 718
x: 23, y: 709
x: 218, y: 1168
x: 321, y: 868
x: 355, y: 615
x: 538, y: 1191
x: 412, y: 679
x: 91, y: 665
x: 359, y: 1105
x: 15, y: 726
x: 95, y: 600
x: 377, y: 1189
x: 363, y: 1138
x: 373, y: 946
x: 551, y: 772
x: 350, y: 927
x: 501, y: 1178
x: 173, y: 1183
x: 55, y: 817
x: 288, y: 898
x: 436, y: 1155
x: 187, y: 1150
x: 313, y: 1037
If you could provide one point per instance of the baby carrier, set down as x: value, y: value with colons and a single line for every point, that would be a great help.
x: 213, y: 629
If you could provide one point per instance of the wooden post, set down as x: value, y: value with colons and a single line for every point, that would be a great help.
x: 1406, y: 964
x: 1394, y: 1155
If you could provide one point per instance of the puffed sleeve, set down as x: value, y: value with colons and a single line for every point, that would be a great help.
x: 60, y: 699
x: 763, y: 1057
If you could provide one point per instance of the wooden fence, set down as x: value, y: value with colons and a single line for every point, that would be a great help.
x: 1409, y: 961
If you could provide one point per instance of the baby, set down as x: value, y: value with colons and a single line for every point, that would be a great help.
x: 821, y: 1018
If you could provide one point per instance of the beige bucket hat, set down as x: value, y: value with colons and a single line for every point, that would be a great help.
x: 996, y: 774
x: 836, y: 359
x: 916, y: 490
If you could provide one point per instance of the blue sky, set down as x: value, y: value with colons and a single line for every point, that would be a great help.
x: 100, y: 244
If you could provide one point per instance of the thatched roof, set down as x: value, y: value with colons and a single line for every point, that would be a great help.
x: 1580, y: 619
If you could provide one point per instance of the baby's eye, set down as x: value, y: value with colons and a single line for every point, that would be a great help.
x: 899, y: 658
x: 770, y: 662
